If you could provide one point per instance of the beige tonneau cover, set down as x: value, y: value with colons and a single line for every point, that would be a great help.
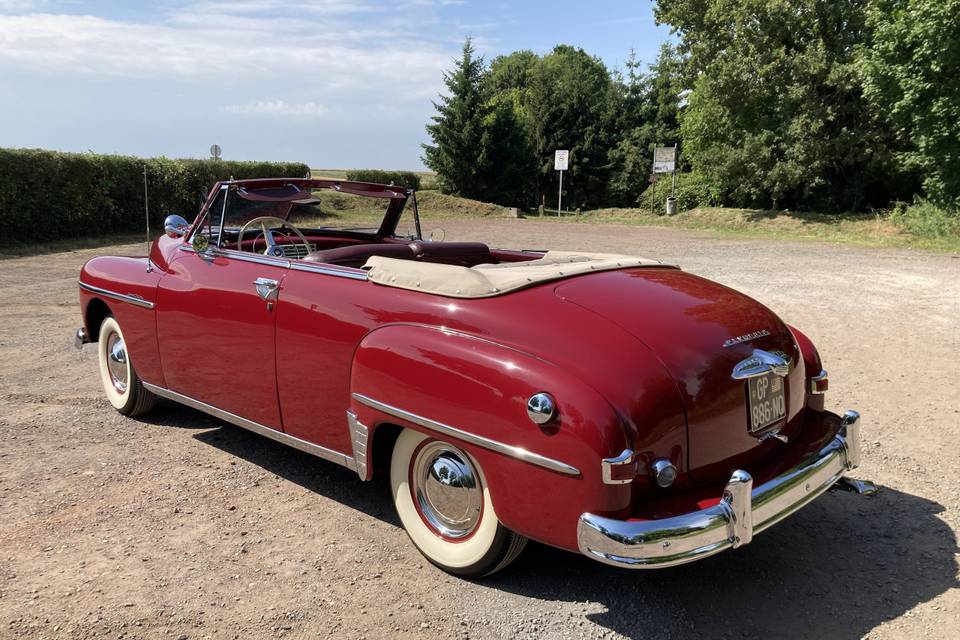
x: 486, y: 280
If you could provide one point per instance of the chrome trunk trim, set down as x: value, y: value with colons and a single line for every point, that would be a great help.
x: 742, y: 512
x: 113, y: 295
x: 480, y: 441
x: 256, y: 427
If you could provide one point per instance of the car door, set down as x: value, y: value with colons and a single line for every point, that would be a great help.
x: 216, y: 322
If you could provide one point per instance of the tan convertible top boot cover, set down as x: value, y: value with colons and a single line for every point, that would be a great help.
x: 486, y: 280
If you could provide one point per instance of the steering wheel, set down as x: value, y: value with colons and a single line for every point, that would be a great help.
x: 273, y: 249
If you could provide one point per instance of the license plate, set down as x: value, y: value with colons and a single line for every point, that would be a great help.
x: 766, y: 401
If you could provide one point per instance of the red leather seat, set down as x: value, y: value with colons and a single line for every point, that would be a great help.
x: 357, y: 255
x: 467, y: 254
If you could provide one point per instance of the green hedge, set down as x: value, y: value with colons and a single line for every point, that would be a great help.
x: 400, y: 178
x: 693, y: 190
x: 46, y: 195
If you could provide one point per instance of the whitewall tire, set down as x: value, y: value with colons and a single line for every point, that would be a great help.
x: 120, y: 382
x: 444, y: 503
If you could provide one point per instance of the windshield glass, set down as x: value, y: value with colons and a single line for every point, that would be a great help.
x: 320, y: 209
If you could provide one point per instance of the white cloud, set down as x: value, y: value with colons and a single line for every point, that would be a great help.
x: 278, y: 108
x: 172, y: 77
x: 241, y: 45
x: 19, y: 6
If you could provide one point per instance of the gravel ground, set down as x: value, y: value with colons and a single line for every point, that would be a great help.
x: 179, y: 526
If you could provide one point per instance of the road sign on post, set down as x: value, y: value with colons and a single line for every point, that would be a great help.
x: 215, y: 152
x: 664, y: 159
x: 561, y: 161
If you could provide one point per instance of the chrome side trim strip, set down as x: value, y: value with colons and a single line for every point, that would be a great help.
x: 122, y: 297
x: 240, y: 255
x: 314, y: 267
x: 493, y: 445
x: 256, y: 427
x: 327, y: 270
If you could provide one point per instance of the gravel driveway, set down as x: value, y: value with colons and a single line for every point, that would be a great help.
x: 179, y: 526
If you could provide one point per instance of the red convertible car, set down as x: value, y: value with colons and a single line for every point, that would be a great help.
x: 600, y: 403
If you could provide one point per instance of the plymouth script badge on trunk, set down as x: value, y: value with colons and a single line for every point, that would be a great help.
x: 764, y: 372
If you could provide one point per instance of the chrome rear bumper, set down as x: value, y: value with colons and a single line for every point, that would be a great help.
x: 742, y: 512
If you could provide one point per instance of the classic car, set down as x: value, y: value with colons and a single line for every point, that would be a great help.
x: 605, y: 404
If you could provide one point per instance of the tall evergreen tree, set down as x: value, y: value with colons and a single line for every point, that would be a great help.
x: 649, y: 108
x: 458, y: 128
x: 568, y: 94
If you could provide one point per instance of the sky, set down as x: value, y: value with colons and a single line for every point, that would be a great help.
x: 333, y: 83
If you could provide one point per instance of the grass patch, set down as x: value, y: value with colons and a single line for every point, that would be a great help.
x: 433, y: 205
x: 884, y: 229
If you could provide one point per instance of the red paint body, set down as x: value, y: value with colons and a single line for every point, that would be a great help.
x: 634, y: 358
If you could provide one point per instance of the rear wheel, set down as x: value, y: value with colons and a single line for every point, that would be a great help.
x: 121, y: 384
x: 444, y: 504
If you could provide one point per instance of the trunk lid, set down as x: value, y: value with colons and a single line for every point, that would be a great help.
x: 700, y: 330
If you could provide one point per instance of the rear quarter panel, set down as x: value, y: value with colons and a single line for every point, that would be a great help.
x: 482, y: 387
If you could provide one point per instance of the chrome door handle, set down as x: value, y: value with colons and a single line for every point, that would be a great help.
x: 266, y: 288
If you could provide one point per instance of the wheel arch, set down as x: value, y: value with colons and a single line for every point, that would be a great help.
x: 97, y: 311
x: 404, y: 372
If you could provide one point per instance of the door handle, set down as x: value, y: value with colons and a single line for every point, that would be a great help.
x: 266, y: 288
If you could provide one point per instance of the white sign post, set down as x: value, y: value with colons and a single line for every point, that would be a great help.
x: 664, y: 159
x: 561, y: 162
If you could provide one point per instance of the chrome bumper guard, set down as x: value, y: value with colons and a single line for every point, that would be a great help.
x: 80, y: 338
x: 742, y: 512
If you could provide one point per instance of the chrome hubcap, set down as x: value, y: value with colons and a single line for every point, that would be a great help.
x: 117, y: 362
x: 447, y: 490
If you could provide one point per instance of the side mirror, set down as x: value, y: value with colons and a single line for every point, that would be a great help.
x: 175, y: 226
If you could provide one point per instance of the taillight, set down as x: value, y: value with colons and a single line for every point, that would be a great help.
x: 620, y: 470
x: 819, y: 383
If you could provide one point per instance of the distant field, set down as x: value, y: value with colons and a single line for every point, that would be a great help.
x: 428, y: 178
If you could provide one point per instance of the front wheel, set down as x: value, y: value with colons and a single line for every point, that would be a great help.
x: 121, y: 384
x: 444, y: 504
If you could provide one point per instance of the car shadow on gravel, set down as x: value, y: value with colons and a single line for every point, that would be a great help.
x: 322, y: 477
x: 837, y: 569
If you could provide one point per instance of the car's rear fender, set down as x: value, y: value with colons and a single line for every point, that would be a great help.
x: 474, y: 393
x: 812, y: 366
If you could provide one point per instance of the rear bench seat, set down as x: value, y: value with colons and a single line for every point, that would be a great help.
x: 464, y: 254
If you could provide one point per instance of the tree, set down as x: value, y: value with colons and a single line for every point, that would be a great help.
x: 566, y: 105
x: 507, y: 161
x: 777, y: 115
x: 912, y: 73
x: 649, y: 105
x: 458, y: 128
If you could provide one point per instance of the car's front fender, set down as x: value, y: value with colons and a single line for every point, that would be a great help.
x: 474, y: 392
x: 125, y: 288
